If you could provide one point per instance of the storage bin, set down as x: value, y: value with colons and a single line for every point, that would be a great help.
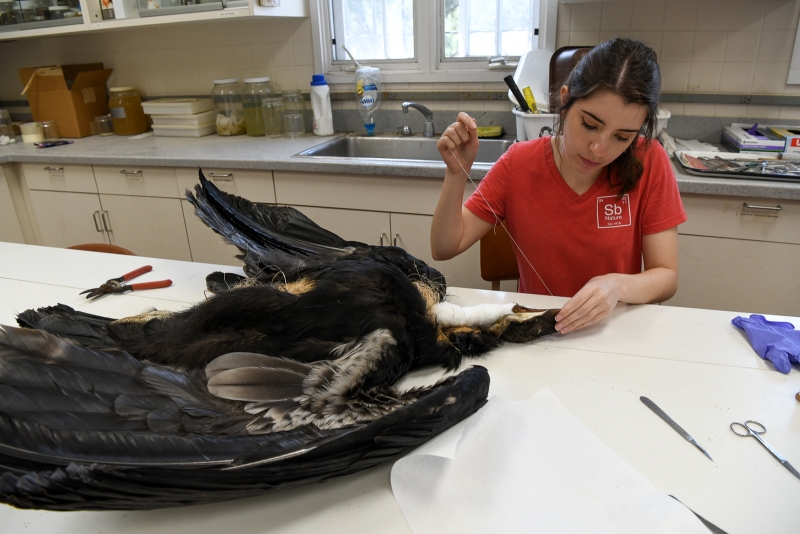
x: 529, y: 125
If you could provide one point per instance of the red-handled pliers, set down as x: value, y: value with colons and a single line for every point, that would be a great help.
x: 115, y: 285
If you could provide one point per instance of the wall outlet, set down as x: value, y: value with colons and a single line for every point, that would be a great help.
x: 498, y: 96
x: 392, y: 96
x: 745, y: 99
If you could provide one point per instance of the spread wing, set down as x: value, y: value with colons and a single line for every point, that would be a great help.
x: 84, y: 429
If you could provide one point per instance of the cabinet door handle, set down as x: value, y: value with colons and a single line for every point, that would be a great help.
x: 754, y: 207
x: 126, y: 172
x: 394, y: 240
x: 106, y: 221
x: 55, y: 169
x: 96, y: 217
x: 228, y: 177
x: 381, y: 238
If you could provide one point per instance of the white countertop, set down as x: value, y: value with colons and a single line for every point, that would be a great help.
x: 693, y: 363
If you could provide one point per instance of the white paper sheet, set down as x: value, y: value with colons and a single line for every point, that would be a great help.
x: 529, y: 466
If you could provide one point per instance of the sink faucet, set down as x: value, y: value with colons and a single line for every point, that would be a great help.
x: 428, y: 132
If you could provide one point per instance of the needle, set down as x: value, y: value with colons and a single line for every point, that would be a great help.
x: 499, y: 221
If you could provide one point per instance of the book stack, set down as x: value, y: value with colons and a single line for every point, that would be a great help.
x: 181, y: 117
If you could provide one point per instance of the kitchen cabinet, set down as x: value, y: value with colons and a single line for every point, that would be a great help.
x: 740, y: 254
x: 63, y: 219
x: 64, y: 204
x: 359, y: 205
x: 135, y: 208
x: 10, y: 228
x: 370, y: 227
x: 205, y: 244
x: 412, y: 232
x: 92, y: 18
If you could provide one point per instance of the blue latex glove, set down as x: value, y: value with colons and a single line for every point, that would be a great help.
x: 774, y: 341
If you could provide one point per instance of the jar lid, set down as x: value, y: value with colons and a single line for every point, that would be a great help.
x: 119, y: 89
x: 58, y: 8
x: 256, y: 80
x: 226, y: 80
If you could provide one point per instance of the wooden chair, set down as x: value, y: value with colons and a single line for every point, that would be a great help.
x: 497, y: 257
x: 103, y: 247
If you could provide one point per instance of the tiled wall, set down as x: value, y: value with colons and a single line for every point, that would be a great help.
x: 708, y: 46
x: 704, y: 46
x: 175, y: 59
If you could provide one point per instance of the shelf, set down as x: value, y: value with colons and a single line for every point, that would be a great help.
x: 170, y: 19
x: 92, y: 18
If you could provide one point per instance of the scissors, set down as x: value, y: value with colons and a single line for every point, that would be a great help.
x: 750, y: 431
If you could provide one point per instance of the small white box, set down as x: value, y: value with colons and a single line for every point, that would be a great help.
x: 184, y: 131
x: 177, y: 106
x: 198, y: 119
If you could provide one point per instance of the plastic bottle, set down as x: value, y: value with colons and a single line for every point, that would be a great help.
x: 321, y: 104
x: 368, y: 95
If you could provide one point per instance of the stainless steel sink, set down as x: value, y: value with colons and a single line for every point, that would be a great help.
x: 398, y: 148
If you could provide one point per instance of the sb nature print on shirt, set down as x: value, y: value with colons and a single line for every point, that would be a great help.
x: 613, y: 211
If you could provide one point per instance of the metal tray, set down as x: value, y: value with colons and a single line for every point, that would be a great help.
x: 748, y: 166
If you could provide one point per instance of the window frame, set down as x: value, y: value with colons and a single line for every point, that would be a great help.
x: 429, y: 65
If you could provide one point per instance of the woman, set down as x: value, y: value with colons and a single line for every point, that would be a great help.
x: 589, y: 206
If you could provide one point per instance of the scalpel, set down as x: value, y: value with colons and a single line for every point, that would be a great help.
x: 659, y: 412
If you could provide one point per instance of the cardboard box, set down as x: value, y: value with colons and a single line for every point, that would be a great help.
x: 791, y: 134
x: 747, y: 137
x: 71, y: 95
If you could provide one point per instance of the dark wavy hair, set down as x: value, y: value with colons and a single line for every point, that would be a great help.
x: 629, y: 69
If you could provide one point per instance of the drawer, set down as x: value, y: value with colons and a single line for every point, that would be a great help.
x: 256, y: 186
x: 137, y: 181
x: 359, y: 191
x: 56, y: 177
x: 721, y: 216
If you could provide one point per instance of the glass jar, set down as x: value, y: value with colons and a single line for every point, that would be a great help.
x: 125, y: 108
x: 102, y: 125
x: 273, y: 116
x: 293, y: 102
x: 227, y: 98
x: 255, y: 90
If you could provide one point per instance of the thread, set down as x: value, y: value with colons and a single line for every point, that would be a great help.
x: 499, y: 221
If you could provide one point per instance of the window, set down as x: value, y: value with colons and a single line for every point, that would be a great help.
x: 373, y: 29
x: 427, y: 40
x: 481, y: 28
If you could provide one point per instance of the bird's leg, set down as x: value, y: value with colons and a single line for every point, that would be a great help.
x: 525, y: 324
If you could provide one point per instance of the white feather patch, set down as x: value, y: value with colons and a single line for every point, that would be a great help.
x: 449, y: 314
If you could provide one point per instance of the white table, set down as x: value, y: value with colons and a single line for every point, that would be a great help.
x: 693, y: 363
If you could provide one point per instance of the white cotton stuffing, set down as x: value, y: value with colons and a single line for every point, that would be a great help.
x: 449, y: 314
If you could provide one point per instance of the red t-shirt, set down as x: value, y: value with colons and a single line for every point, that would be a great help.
x: 571, y: 238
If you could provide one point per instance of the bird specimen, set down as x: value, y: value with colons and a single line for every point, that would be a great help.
x: 284, y: 377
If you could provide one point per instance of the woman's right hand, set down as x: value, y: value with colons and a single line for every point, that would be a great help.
x: 460, y: 140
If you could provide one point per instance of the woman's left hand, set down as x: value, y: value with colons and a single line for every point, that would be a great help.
x: 595, y: 301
